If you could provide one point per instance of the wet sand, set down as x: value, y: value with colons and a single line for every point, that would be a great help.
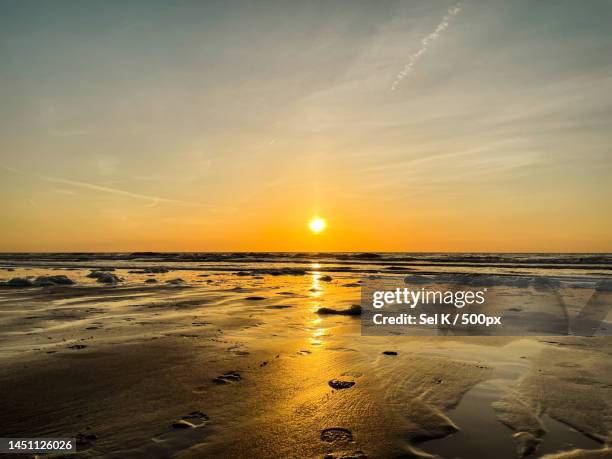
x: 230, y: 363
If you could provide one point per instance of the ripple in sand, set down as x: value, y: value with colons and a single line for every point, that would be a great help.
x: 346, y: 455
x: 336, y: 435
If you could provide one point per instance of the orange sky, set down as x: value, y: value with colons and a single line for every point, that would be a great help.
x: 211, y: 127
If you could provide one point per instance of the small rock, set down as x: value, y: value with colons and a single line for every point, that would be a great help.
x: 177, y: 281
x: 325, y: 278
x: 104, y: 277
x: 53, y: 280
x: 390, y: 353
x: 19, y: 282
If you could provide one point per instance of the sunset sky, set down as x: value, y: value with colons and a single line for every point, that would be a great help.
x: 218, y: 126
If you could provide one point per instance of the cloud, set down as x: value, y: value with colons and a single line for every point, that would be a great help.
x: 426, y: 43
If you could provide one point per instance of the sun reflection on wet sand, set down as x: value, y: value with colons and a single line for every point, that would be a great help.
x: 316, y: 292
x: 317, y: 334
x: 315, y: 288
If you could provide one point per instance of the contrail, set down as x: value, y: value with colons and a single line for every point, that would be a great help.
x: 154, y: 200
x: 425, y: 43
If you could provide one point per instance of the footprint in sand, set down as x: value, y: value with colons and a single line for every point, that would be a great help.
x: 85, y: 440
x: 182, y: 430
x: 340, y: 384
x: 240, y: 353
x: 191, y: 420
x: 228, y: 378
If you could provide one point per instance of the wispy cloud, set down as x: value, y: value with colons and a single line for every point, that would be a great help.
x: 426, y: 43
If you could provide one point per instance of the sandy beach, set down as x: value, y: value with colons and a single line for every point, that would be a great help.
x: 235, y: 360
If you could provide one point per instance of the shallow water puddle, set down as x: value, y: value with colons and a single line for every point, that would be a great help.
x: 560, y: 436
x: 481, y: 433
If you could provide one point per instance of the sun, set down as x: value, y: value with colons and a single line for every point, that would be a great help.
x: 317, y: 224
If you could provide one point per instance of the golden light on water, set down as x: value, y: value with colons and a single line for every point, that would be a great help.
x: 317, y: 224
